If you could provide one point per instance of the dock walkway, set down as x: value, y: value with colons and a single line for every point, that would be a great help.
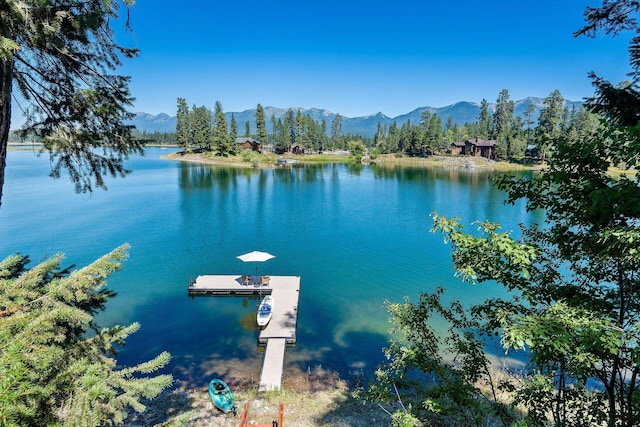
x: 271, y: 376
x: 281, y: 329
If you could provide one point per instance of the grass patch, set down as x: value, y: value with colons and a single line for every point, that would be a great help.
x: 312, y: 398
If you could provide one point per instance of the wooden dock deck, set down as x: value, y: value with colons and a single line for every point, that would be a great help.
x: 285, y: 291
x: 281, y: 329
x: 230, y: 284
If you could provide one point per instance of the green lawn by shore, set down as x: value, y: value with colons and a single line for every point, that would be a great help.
x: 315, y: 398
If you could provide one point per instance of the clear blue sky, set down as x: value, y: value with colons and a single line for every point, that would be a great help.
x: 361, y: 57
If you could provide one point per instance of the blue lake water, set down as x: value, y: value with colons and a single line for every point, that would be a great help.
x: 357, y: 235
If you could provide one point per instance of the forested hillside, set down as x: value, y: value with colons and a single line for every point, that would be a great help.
x: 460, y: 113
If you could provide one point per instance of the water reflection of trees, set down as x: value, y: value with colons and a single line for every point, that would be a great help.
x: 199, y: 176
x: 298, y: 172
x: 209, y: 176
x: 448, y: 173
x: 436, y: 181
x: 481, y: 200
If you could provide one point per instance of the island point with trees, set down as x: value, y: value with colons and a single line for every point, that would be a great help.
x: 499, y: 135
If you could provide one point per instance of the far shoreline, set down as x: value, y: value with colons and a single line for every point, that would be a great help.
x: 270, y: 160
x: 255, y: 160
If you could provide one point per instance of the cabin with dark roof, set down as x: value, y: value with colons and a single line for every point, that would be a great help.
x: 474, y: 147
x: 532, y: 152
x: 293, y: 148
x: 297, y: 149
x: 245, y: 143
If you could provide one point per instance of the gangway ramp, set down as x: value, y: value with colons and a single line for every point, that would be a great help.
x: 271, y: 376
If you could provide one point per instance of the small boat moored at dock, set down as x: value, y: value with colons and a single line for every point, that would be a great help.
x: 221, y: 396
x: 265, y: 310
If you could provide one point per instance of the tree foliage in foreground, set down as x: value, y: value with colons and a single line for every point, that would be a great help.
x: 573, y: 305
x: 574, y: 301
x: 60, y: 57
x: 440, y: 377
x: 56, y: 365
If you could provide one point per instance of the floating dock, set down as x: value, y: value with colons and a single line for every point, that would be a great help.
x: 281, y: 329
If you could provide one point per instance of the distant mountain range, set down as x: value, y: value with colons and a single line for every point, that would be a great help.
x: 460, y: 113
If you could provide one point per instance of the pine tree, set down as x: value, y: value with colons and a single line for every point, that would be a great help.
x: 52, y: 371
x: 485, y: 128
x: 61, y: 56
x: 274, y: 123
x: 393, y: 138
x: 280, y: 136
x: 290, y: 128
x: 549, y: 121
x: 300, y: 128
x: 183, y: 130
x: 324, y: 136
x: 261, y: 124
x: 336, y: 132
x: 220, y: 135
x: 503, y: 123
x: 234, y: 129
x: 313, y: 134
x: 435, y: 133
x: 378, y: 137
x: 201, y: 127
x: 528, y: 116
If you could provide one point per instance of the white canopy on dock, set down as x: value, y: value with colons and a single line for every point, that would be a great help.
x: 256, y: 256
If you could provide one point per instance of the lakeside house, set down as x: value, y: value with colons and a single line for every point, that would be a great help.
x: 246, y: 143
x: 293, y: 148
x: 475, y: 147
x: 532, y: 152
x: 297, y: 149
